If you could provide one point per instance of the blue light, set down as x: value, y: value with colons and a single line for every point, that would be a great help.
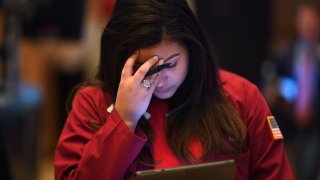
x: 288, y: 88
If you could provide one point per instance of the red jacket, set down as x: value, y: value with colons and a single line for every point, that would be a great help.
x: 95, y: 144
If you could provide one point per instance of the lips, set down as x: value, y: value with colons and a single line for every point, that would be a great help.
x: 162, y: 90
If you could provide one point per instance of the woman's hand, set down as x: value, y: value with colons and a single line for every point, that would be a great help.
x: 133, y: 98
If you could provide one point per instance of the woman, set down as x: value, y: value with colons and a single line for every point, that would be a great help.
x: 190, y: 112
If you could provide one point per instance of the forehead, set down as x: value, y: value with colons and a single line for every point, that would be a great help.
x: 163, y: 50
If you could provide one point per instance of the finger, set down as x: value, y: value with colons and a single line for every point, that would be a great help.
x: 160, y: 62
x: 142, y: 71
x: 128, y: 66
x: 154, y: 76
x: 155, y: 82
x: 148, y: 81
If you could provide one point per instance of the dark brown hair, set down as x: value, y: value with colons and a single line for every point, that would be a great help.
x: 199, y: 108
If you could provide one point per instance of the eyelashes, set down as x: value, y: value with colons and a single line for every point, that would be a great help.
x: 172, y: 65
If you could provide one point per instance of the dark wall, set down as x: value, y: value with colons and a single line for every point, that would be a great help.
x: 60, y: 18
x: 238, y: 32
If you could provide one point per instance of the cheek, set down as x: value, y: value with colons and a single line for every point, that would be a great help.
x: 181, y: 72
x: 185, y: 68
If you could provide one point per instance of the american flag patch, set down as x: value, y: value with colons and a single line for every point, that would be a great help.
x: 274, y: 128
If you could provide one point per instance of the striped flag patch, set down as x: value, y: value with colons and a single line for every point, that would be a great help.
x: 276, y: 132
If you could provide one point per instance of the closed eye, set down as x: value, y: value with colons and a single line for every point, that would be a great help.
x: 172, y: 65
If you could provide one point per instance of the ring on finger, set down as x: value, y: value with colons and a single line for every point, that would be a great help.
x: 147, y: 83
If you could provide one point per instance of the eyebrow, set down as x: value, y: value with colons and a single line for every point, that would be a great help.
x: 171, y: 57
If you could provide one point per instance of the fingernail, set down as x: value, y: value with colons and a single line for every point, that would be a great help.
x: 155, y: 57
x: 161, y: 61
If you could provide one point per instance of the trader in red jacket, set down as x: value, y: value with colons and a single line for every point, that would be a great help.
x: 187, y: 112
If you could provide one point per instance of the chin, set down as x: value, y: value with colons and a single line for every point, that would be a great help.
x: 167, y: 95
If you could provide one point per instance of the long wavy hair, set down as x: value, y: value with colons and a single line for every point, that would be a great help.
x: 199, y: 108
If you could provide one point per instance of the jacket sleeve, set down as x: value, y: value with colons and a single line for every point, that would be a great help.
x: 267, y: 157
x: 94, y: 144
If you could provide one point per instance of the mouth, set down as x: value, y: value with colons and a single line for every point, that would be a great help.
x: 162, y: 90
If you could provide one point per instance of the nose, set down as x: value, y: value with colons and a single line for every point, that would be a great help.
x: 163, y: 77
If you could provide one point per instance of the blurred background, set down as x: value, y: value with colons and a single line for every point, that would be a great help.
x: 48, y: 46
